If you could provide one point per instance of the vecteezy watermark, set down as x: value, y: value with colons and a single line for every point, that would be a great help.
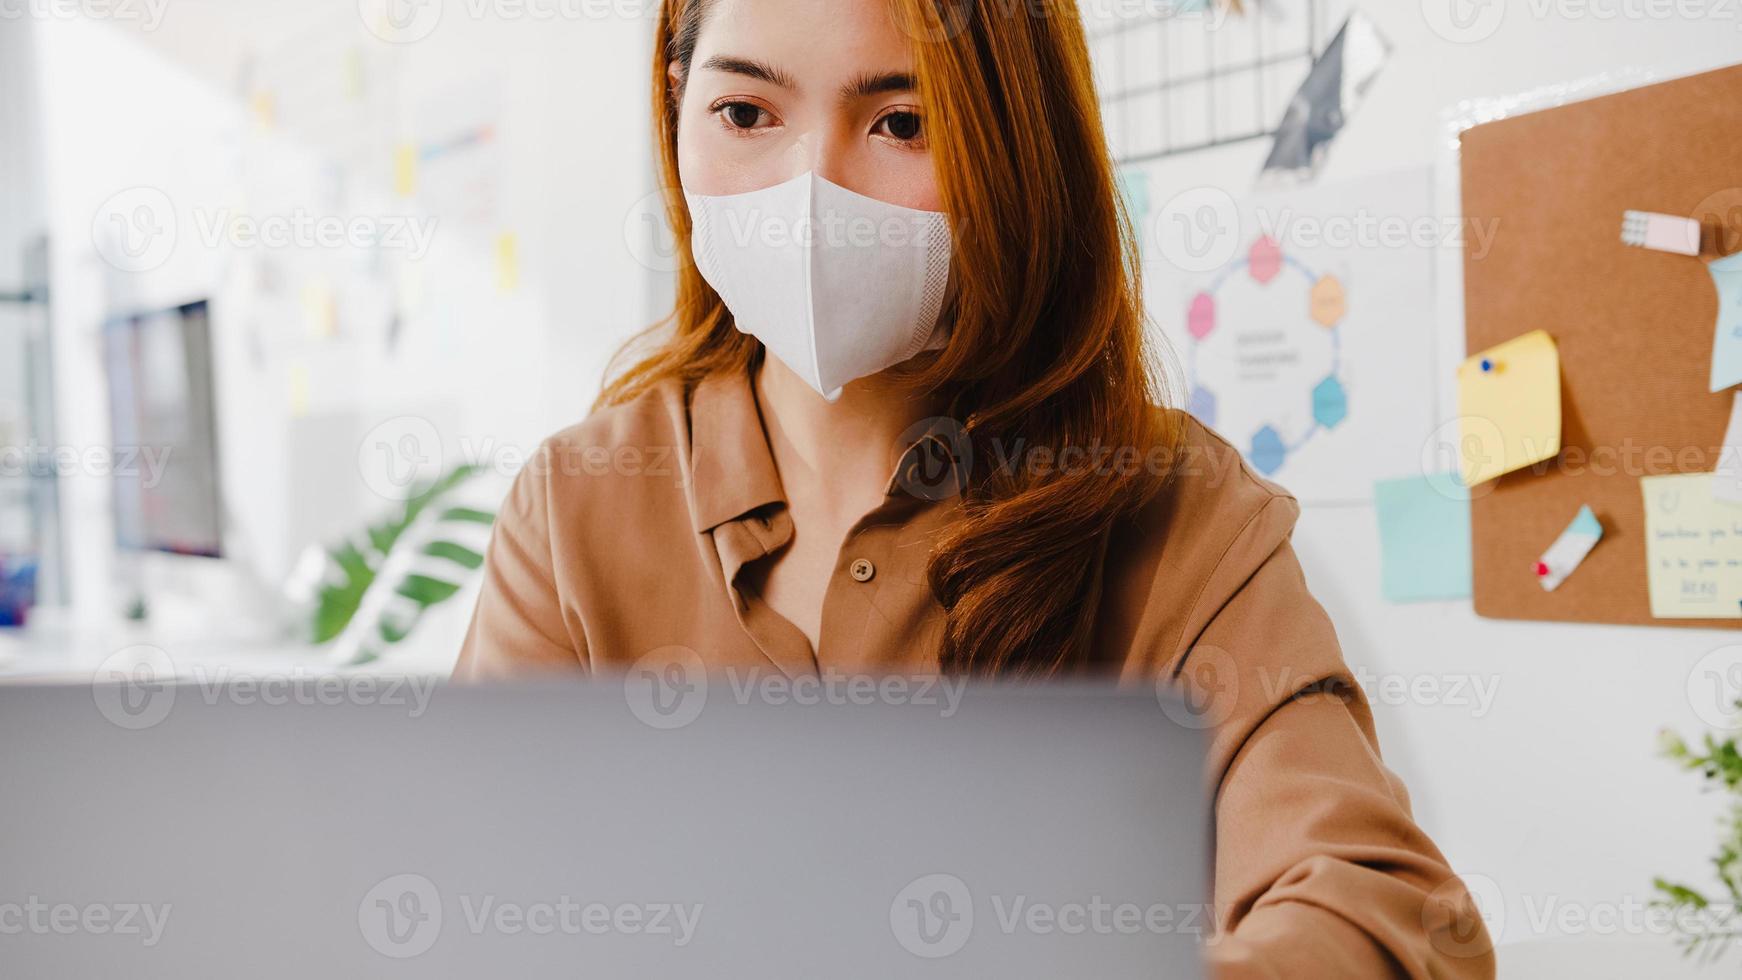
x: 409, y: 21
x: 828, y: 227
x: 1715, y: 688
x: 647, y: 233
x: 147, y: 14
x: 1470, y: 914
x: 135, y: 229
x: 1206, y: 689
x: 1474, y: 692
x: 1203, y: 692
x: 1201, y: 229
x: 1471, y: 21
x: 303, y: 229
x: 145, y: 464
x: 1465, y: 916
x: 400, y: 21
x: 1464, y: 21
x: 1198, y: 229
x: 933, y: 916
x: 137, y: 687
x: 668, y: 687
x: 1213, y: 14
x: 37, y: 917
x: 408, y: 451
x: 138, y: 230
x: 400, y: 454
x: 1470, y: 445
x: 403, y: 916
x: 937, y: 460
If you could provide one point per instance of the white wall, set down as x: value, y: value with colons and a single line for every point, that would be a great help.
x: 1553, y: 800
x: 162, y: 106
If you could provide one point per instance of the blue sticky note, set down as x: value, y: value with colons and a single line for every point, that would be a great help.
x: 1727, y: 343
x: 1134, y: 184
x: 1424, y: 537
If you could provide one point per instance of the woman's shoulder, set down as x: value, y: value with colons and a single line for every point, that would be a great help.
x: 1211, y: 493
x: 654, y: 417
x: 1198, y: 542
x: 631, y: 454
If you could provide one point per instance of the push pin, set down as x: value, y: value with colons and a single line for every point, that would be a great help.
x: 1542, y: 569
x: 1489, y: 366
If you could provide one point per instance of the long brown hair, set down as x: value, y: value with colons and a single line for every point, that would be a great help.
x: 1046, y: 351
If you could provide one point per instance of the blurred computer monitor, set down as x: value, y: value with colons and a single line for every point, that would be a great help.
x: 164, y: 431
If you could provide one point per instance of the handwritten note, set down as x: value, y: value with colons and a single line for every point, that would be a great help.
x: 1693, y: 549
x: 1727, y: 343
x: 1509, y: 400
x: 1727, y: 482
x: 1424, y: 538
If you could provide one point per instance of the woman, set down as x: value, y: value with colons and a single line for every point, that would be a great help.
x: 874, y: 439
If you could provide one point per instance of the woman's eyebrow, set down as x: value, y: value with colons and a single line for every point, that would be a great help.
x: 878, y: 83
x: 750, y: 68
x: 862, y: 85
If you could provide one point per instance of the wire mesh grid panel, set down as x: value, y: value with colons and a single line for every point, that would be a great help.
x: 1182, y: 75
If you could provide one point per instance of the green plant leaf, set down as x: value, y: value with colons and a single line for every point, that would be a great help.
x: 357, y: 562
x: 459, y: 554
x: 426, y: 591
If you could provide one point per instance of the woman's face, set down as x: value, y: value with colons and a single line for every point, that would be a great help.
x: 779, y: 87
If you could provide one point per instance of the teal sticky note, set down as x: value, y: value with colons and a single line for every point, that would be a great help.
x: 1424, y: 537
x: 1727, y: 343
x: 1134, y: 187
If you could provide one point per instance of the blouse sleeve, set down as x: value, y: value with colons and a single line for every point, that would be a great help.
x: 518, y: 626
x: 1320, y: 869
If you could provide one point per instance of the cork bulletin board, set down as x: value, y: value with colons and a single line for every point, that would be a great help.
x: 1634, y: 326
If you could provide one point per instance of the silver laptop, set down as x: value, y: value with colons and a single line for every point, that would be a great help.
x: 342, y: 828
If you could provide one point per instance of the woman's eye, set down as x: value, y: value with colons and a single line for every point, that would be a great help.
x: 902, y: 125
x: 742, y: 115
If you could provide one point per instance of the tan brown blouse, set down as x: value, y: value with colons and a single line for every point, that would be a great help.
x: 637, y: 530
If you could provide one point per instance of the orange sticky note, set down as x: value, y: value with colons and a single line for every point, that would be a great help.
x: 1509, y: 407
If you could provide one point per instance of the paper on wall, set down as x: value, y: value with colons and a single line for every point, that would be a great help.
x: 1727, y: 339
x: 1569, y: 550
x: 1288, y: 340
x: 1424, y: 537
x: 1335, y: 87
x: 1509, y: 407
x: 1693, y: 549
x: 1727, y: 481
x: 1660, y: 232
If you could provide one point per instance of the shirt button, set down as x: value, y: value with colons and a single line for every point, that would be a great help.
x: 862, y: 570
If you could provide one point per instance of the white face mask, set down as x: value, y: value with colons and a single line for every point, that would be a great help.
x: 836, y: 284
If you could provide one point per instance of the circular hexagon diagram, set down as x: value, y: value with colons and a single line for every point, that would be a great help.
x: 1264, y: 353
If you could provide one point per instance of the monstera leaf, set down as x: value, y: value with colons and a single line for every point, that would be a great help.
x: 379, y: 585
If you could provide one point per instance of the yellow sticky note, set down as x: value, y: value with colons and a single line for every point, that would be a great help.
x: 1693, y: 549
x: 1509, y: 403
x: 299, y: 390
x: 265, y: 109
x: 321, y: 310
x: 405, y: 170
x: 507, y: 262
